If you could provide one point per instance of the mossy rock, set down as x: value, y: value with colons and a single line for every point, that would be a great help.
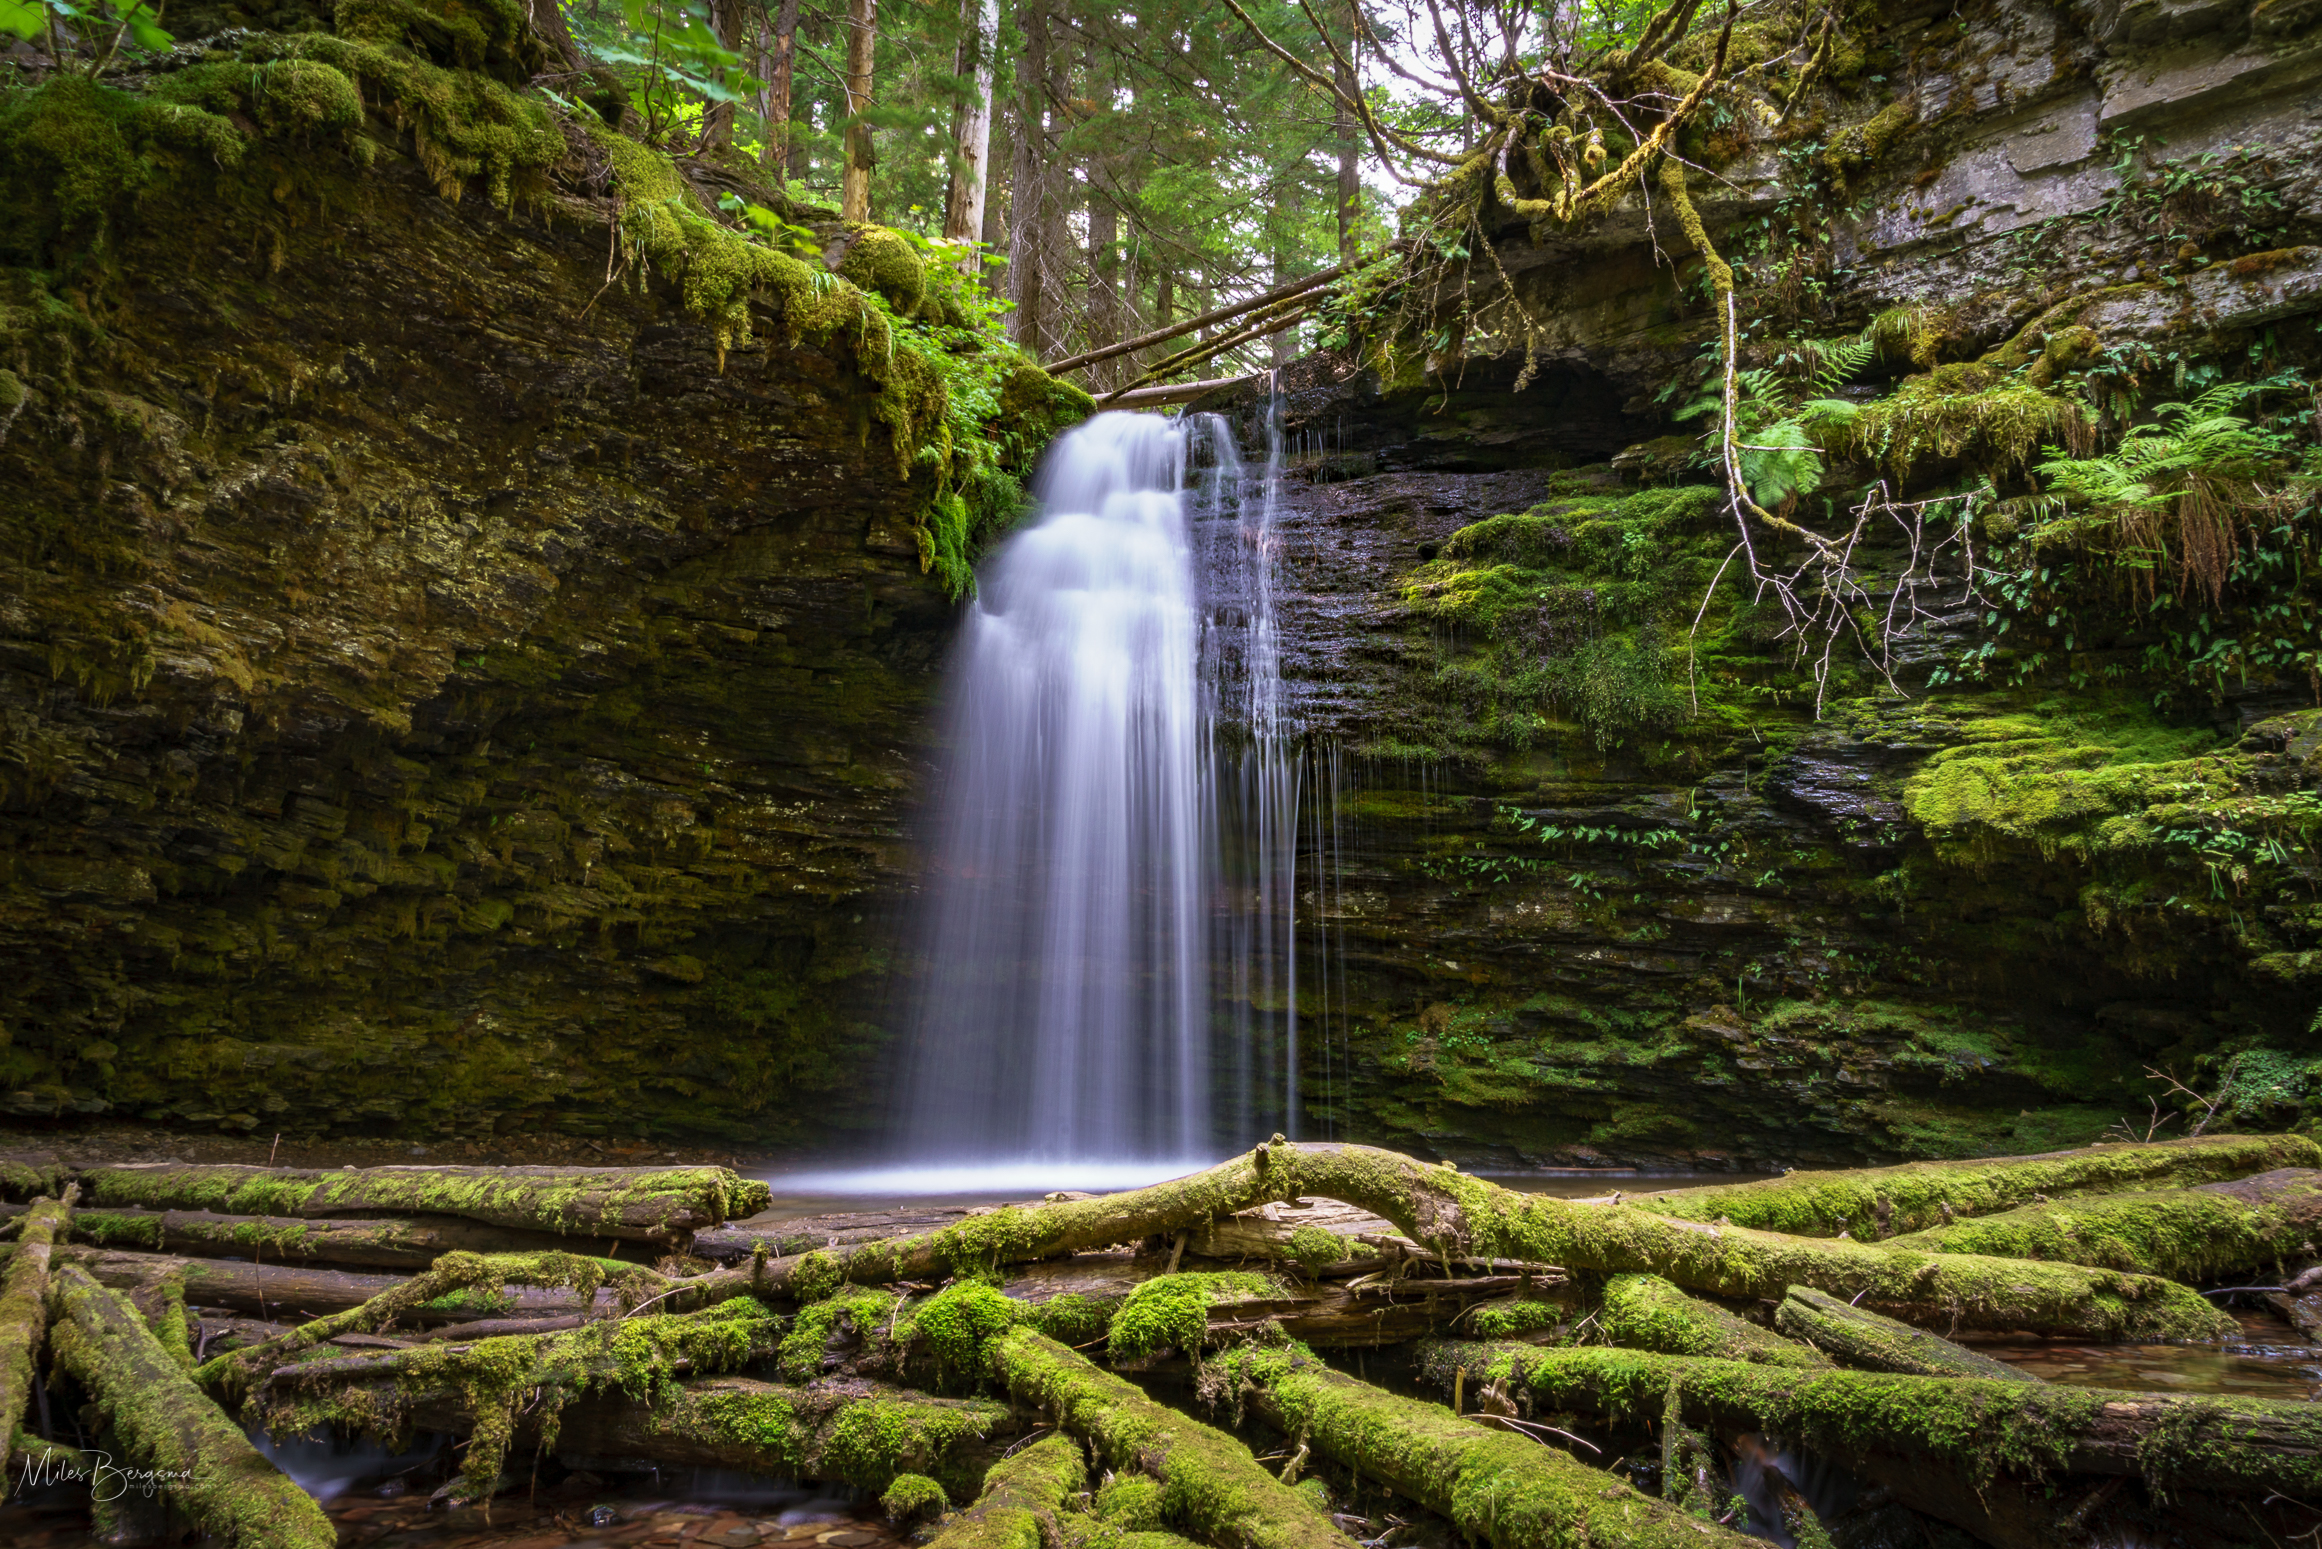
x: 881, y: 261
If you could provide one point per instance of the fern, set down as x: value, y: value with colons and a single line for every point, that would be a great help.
x: 1779, y: 431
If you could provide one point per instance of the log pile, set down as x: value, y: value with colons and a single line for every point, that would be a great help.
x: 1188, y: 1364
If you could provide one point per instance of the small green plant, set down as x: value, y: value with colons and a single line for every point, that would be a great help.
x: 86, y: 39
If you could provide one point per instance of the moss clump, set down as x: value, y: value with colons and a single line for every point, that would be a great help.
x: 1511, y: 1319
x: 821, y: 1323
x: 1961, y: 413
x: 882, y: 262
x: 1130, y: 1502
x: 1862, y: 144
x: 914, y: 1498
x: 1316, y: 1248
x: 1646, y: 1312
x: 1171, y: 1312
x: 957, y: 1320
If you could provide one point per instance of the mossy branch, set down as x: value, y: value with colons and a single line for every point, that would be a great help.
x: 170, y: 1426
x: 1868, y: 1342
x: 1022, y: 1495
x: 1646, y: 1312
x: 1496, y: 1485
x: 24, y: 1312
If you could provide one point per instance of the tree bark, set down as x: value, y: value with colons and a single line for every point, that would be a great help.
x: 638, y: 1203
x: 24, y: 1314
x: 2029, y: 1429
x: 1028, y: 185
x: 963, y: 207
x: 1868, y: 1342
x: 275, y: 1291
x: 169, y: 1426
x: 1876, y: 1202
x: 1215, y: 1490
x: 1021, y: 1498
x: 1350, y: 181
x: 412, y: 1243
x: 781, y: 157
x: 1496, y: 1485
x: 734, y: 23
x: 2196, y: 1234
x: 861, y: 154
x: 1645, y: 1312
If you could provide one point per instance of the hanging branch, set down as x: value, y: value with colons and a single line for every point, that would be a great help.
x: 1219, y: 315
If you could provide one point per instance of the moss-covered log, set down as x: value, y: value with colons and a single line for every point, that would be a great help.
x: 645, y: 1203
x: 2201, y: 1441
x: 1878, y: 1202
x: 1645, y: 1312
x: 24, y: 1315
x: 1469, y: 1218
x: 1868, y: 1341
x: 209, y: 1468
x: 1019, y: 1493
x: 388, y: 1243
x: 275, y: 1291
x: 1505, y: 1489
x: 30, y: 1177
x: 1212, y: 1489
x: 2196, y: 1234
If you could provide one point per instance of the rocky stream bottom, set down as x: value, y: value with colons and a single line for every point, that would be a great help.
x: 1310, y: 1346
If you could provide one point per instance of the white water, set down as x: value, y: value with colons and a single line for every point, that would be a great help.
x: 1067, y: 1001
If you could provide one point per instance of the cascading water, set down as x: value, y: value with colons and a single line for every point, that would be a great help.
x: 1066, y: 1009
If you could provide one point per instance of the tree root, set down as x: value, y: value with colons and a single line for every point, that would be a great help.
x: 1211, y: 1487
x: 1879, y: 1202
x: 2193, y: 1234
x: 1868, y: 1342
x: 24, y: 1315
x: 169, y: 1426
x: 647, y: 1203
x: 2207, y: 1441
x: 1645, y: 1312
x: 1504, y: 1488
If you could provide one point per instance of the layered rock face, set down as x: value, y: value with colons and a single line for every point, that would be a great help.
x: 446, y: 685
x: 1614, y: 871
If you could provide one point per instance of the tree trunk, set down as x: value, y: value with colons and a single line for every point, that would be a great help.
x: 595, y: 1204
x: 279, y: 1291
x: 861, y: 155
x: 1350, y: 178
x: 1060, y: 192
x: 785, y: 154
x: 1284, y: 257
x: 24, y: 1314
x: 735, y: 23
x: 963, y: 208
x: 414, y: 1243
x: 170, y: 1426
x: 1645, y: 1312
x: 1216, y: 1491
x: 1028, y: 185
x: 1876, y: 1202
x: 2213, y: 1441
x: 2196, y: 1234
x: 1497, y: 1485
x: 1868, y: 1342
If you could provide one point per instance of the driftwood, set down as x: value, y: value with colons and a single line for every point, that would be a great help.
x: 2195, y: 1234
x: 210, y: 1470
x: 390, y: 1243
x: 24, y: 1315
x: 272, y: 1291
x: 1465, y: 1217
x: 1645, y: 1312
x: 597, y: 1204
x: 2219, y: 1442
x: 1869, y: 1342
x: 1216, y: 1490
x: 1021, y: 1498
x: 1494, y: 1483
x: 1873, y: 1203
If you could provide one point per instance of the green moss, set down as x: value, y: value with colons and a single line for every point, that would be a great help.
x: 1645, y: 1312
x: 1316, y: 1247
x: 1130, y: 1502
x: 913, y: 1498
x: 1960, y: 413
x: 957, y: 1320
x: 1021, y: 1493
x: 1869, y: 1342
x: 1863, y: 144
x: 2195, y: 1235
x: 881, y: 261
x: 1171, y: 1312
x: 820, y: 1321
x: 1511, y: 1319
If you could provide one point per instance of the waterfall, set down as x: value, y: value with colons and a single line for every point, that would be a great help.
x: 1065, y: 1015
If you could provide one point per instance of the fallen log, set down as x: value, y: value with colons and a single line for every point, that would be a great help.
x: 1869, y: 1342
x: 638, y: 1203
x: 1463, y: 1217
x: 24, y: 1315
x: 2220, y: 1442
x: 1873, y: 1203
x: 32, y: 1175
x: 169, y: 1427
x: 274, y: 1291
x: 1645, y: 1312
x: 412, y: 1243
x: 1212, y: 1489
x: 1497, y: 1485
x: 1022, y: 1497
x: 2196, y: 1234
